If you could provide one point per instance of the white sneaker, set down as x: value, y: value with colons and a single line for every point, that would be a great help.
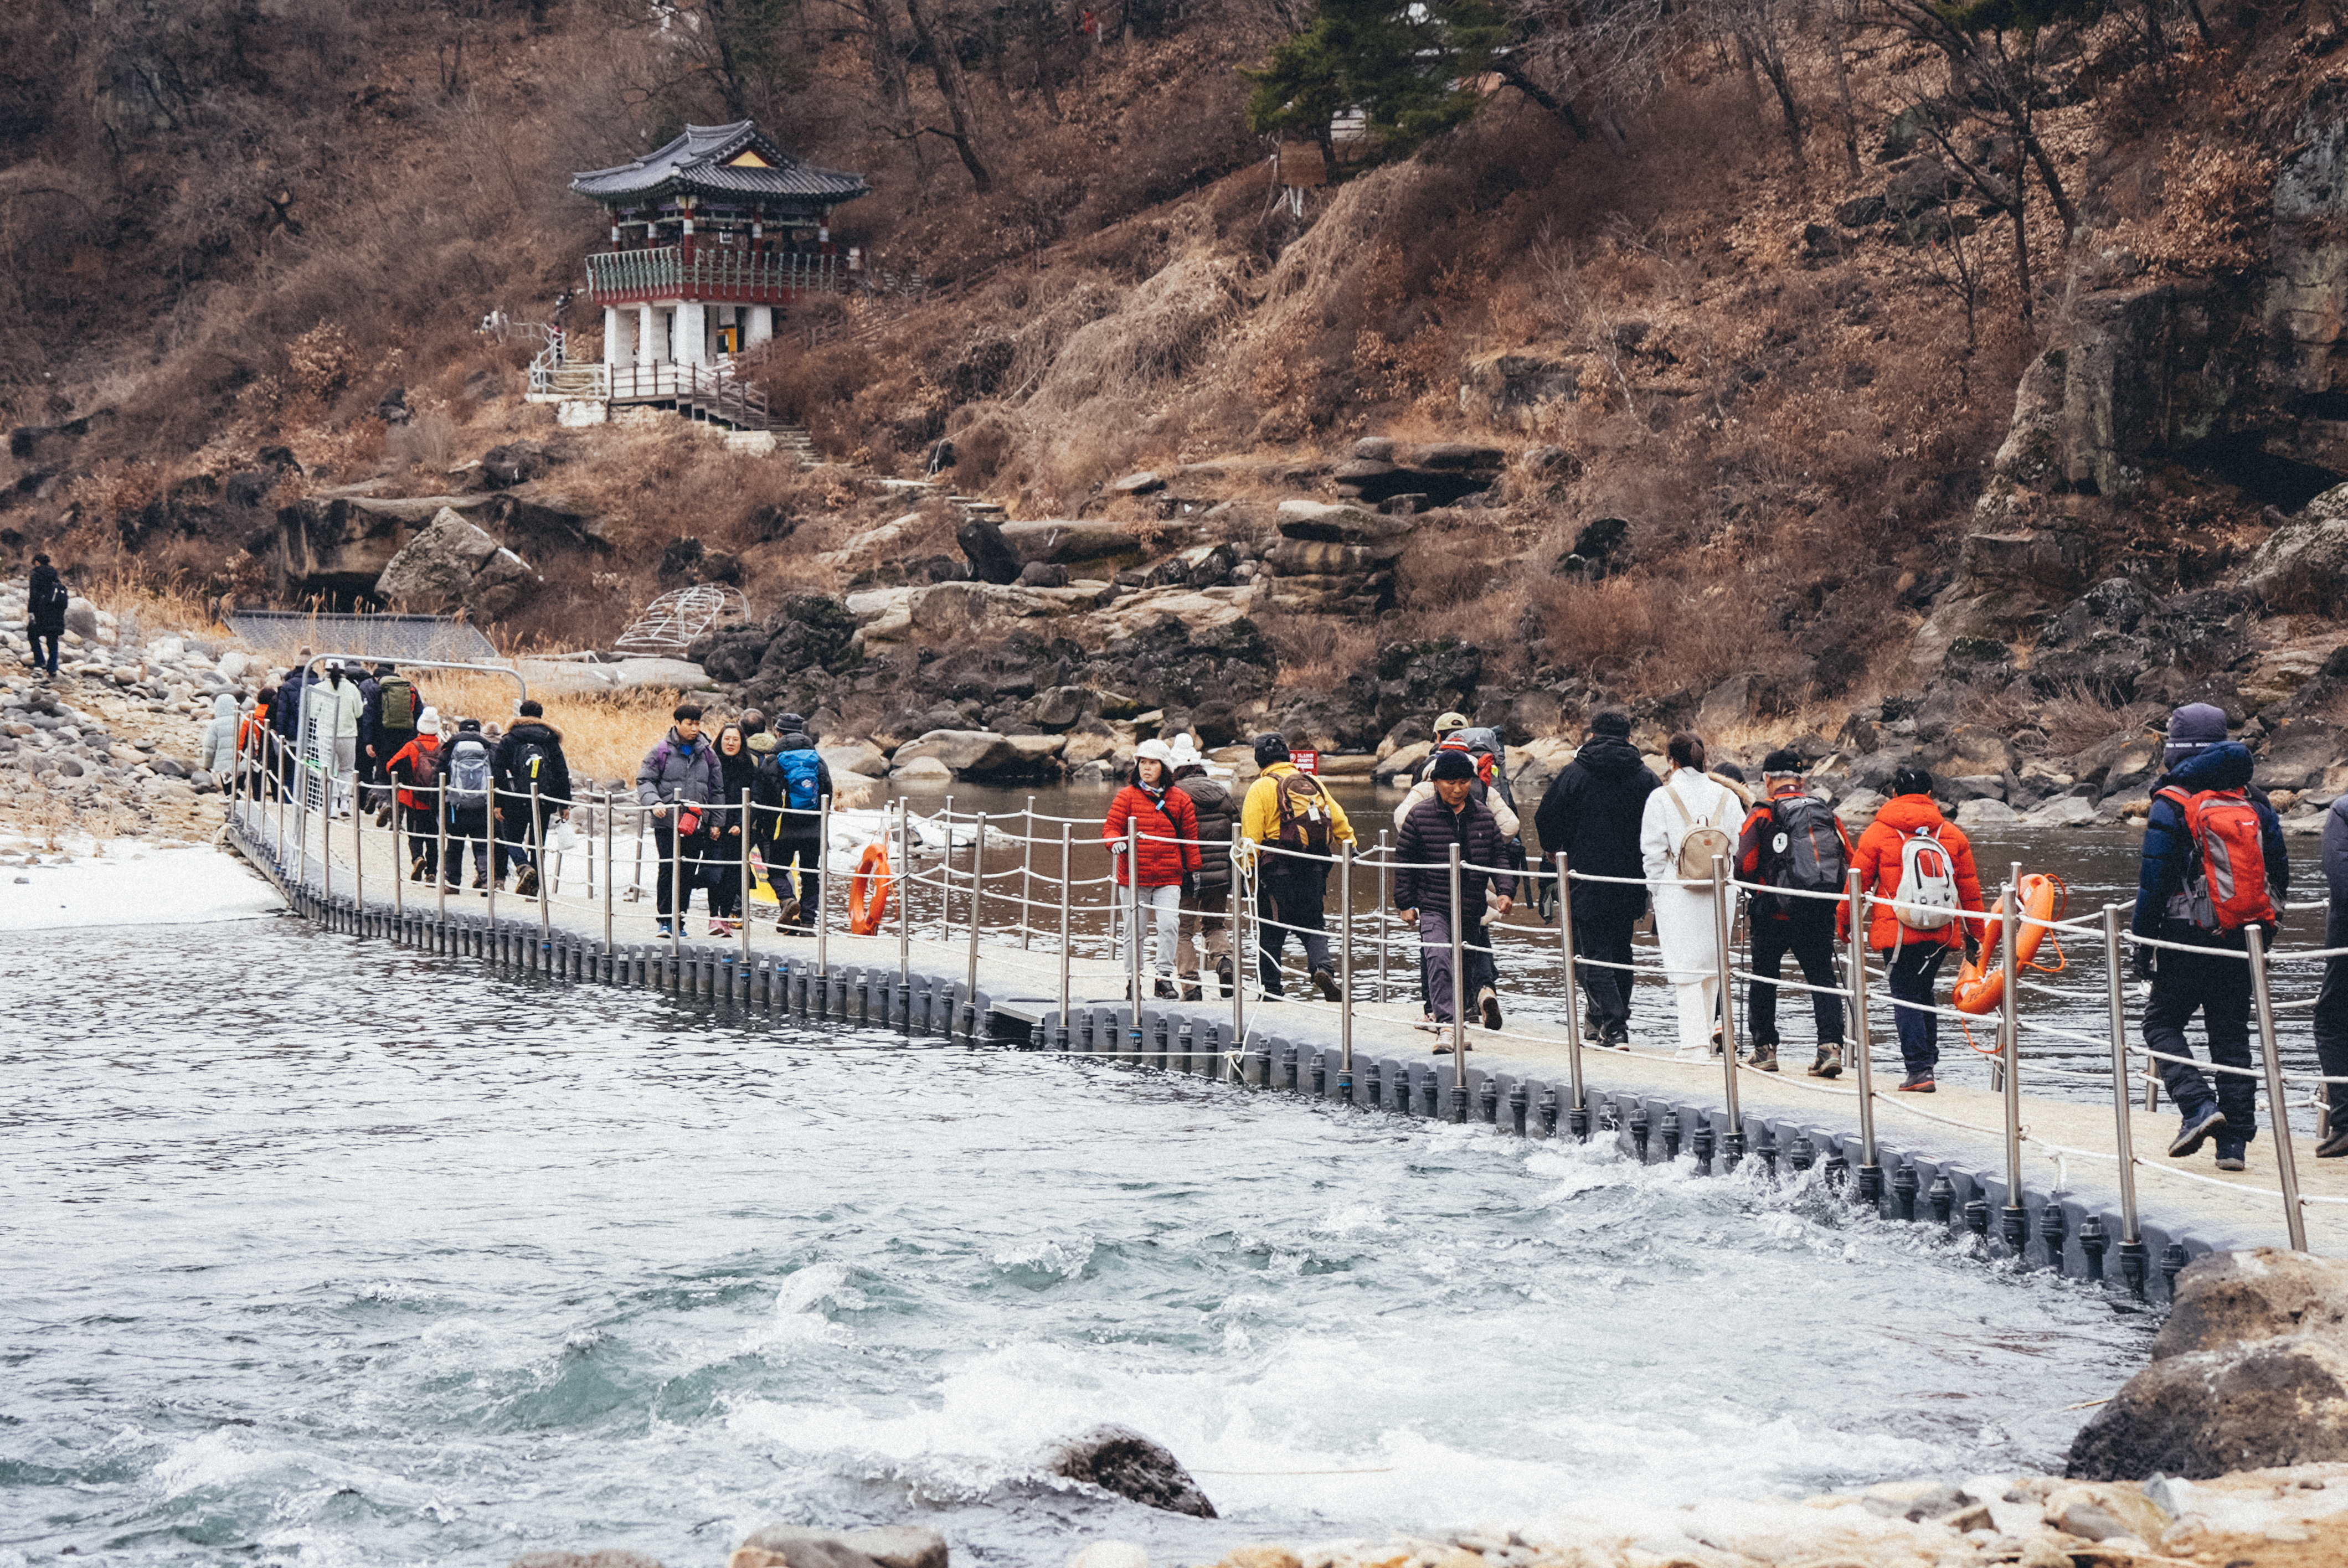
x: 1692, y: 1053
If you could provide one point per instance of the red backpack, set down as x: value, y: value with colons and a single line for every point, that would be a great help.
x: 2226, y: 887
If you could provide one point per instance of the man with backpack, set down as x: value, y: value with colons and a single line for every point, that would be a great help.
x: 468, y: 768
x: 2332, y: 1002
x: 1591, y: 813
x: 1452, y: 816
x: 1298, y: 824
x: 44, y: 621
x: 680, y: 778
x: 1794, y: 843
x: 530, y: 753
x: 2213, y: 866
x: 415, y: 770
x: 789, y: 791
x: 388, y: 720
x: 1924, y: 902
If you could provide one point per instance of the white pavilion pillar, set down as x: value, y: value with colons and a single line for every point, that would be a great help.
x: 617, y: 349
x: 648, y: 336
x: 692, y: 333
x: 760, y: 325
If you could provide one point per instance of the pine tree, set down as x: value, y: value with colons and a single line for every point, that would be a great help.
x: 1413, y: 71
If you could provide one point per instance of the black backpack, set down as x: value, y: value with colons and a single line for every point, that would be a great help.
x: 1802, y: 850
x: 55, y: 597
x: 533, y: 764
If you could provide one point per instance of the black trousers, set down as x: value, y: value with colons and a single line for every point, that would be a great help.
x: 694, y: 853
x: 724, y: 864
x: 2218, y: 986
x: 423, y: 838
x: 1808, y: 933
x: 2332, y: 1034
x: 1293, y: 896
x: 807, y: 849
x: 468, y: 825
x: 47, y: 660
x: 1606, y: 940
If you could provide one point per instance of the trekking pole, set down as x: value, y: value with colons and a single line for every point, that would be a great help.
x: 2014, y: 1222
x: 977, y: 889
x: 1133, y: 920
x: 2294, y: 1214
x: 1027, y: 875
x: 441, y: 863
x: 1385, y: 891
x: 2132, y: 1251
x: 537, y: 863
x: 1577, y: 1115
x: 1871, y: 1169
x: 608, y: 869
x: 1345, y: 972
x: 1458, y: 996
x: 822, y: 883
x: 1065, y: 831
x: 1732, y: 1143
x: 744, y: 908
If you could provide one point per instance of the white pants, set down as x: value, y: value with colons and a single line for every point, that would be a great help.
x: 1164, y: 903
x: 345, y: 763
x: 1699, y: 1012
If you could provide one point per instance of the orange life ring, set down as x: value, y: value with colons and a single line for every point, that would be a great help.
x: 1981, y: 984
x: 867, y: 891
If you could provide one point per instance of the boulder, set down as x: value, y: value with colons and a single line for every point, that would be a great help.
x: 797, y: 1546
x: 921, y: 770
x: 1726, y: 704
x: 1121, y: 1461
x: 515, y: 463
x: 605, y: 1557
x: 1140, y: 484
x: 982, y: 753
x: 2235, y: 1299
x: 2298, y: 757
x: 81, y: 618
x: 2302, y: 567
x: 1111, y: 1554
x: 1335, y: 523
x: 1042, y: 574
x: 453, y: 566
x: 990, y: 559
x: 1091, y: 548
x: 864, y: 757
x: 1514, y: 387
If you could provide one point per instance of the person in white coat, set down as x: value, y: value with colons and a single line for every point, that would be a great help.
x: 1686, y: 926
x: 335, y: 704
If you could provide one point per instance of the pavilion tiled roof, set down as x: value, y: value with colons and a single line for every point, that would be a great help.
x: 699, y: 162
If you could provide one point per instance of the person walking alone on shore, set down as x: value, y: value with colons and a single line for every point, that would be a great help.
x: 1166, y: 832
x: 1299, y: 825
x: 1687, y: 822
x: 46, y: 605
x: 1592, y: 812
x: 679, y: 780
x: 1917, y: 867
x: 1792, y: 842
x: 1206, y: 908
x: 2213, y: 866
x: 1452, y: 816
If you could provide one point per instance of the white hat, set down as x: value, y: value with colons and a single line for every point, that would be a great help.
x: 428, y: 721
x: 1155, y: 751
x: 1185, y: 752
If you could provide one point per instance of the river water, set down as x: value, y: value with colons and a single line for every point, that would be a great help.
x: 326, y: 1252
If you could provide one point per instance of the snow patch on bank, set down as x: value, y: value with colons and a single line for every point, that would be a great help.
x: 126, y: 882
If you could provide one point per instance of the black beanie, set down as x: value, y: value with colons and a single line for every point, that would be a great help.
x: 1270, y: 749
x: 1453, y: 765
x: 1615, y: 724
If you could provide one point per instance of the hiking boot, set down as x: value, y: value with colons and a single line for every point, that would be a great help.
x: 2230, y: 1157
x: 1616, y: 1039
x: 480, y: 880
x: 1326, y: 984
x: 1764, y: 1058
x: 788, y: 915
x: 1489, y: 1005
x: 1829, y: 1063
x: 2336, y: 1144
x: 383, y: 817
x: 1917, y: 1083
x: 527, y: 882
x: 2199, y: 1127
x: 415, y: 870
x: 1223, y: 973
x: 1191, y: 990
x: 1164, y: 991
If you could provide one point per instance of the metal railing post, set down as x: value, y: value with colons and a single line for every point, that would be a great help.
x: 822, y: 885
x: 326, y: 849
x: 636, y: 879
x: 1065, y: 847
x: 977, y: 889
x: 743, y: 909
x: 1386, y: 902
x: 1578, y: 1121
x: 1345, y: 971
x: 1731, y: 1142
x: 537, y: 863
x: 2014, y: 1222
x: 1863, y: 1047
x: 2294, y: 1214
x: 1133, y: 919
x: 440, y: 830
x: 1240, y: 902
x: 945, y: 880
x: 608, y: 869
x: 399, y: 858
x: 1458, y: 994
x: 676, y: 894
x: 358, y: 853
x: 1027, y: 875
x: 2133, y: 1257
x: 490, y: 828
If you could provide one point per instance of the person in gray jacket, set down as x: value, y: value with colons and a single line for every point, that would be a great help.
x: 2332, y: 1002
x: 679, y: 780
x: 218, y: 757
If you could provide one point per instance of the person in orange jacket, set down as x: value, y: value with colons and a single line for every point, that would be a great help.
x: 1917, y: 868
x: 416, y: 769
x: 1795, y: 843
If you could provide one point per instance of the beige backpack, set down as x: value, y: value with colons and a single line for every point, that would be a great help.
x: 1701, y: 843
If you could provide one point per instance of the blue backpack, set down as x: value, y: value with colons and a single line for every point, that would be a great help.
x: 800, y: 783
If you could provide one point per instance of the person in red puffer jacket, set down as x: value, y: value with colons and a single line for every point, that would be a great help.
x: 1910, y: 834
x: 1166, y: 826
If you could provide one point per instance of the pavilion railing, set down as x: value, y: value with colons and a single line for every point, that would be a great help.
x: 712, y: 273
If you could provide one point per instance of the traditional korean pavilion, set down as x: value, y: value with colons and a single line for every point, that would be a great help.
x: 712, y: 237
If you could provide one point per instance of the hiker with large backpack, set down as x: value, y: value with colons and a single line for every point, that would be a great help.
x: 529, y: 753
x: 387, y: 722
x: 1592, y: 812
x: 45, y: 604
x: 679, y: 780
x: 788, y: 790
x: 415, y: 770
x: 469, y: 768
x: 1296, y: 825
x: 1794, y: 844
x: 1924, y: 903
x: 1690, y: 820
x: 1451, y: 815
x: 2213, y: 866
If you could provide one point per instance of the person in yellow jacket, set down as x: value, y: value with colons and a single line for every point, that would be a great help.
x: 1297, y: 824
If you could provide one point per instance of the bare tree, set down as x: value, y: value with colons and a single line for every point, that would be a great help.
x: 946, y: 67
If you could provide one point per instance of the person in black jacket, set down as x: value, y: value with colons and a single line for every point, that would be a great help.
x: 47, y: 603
x: 1592, y: 811
x: 1423, y: 882
x: 2332, y: 1002
x: 529, y: 753
x: 1207, y: 902
x: 790, y: 831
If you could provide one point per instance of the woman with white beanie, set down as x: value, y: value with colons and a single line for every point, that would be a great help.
x: 1166, y: 843
x: 416, y: 769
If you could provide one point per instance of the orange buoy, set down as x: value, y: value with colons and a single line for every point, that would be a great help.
x: 867, y: 891
x: 1981, y: 984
